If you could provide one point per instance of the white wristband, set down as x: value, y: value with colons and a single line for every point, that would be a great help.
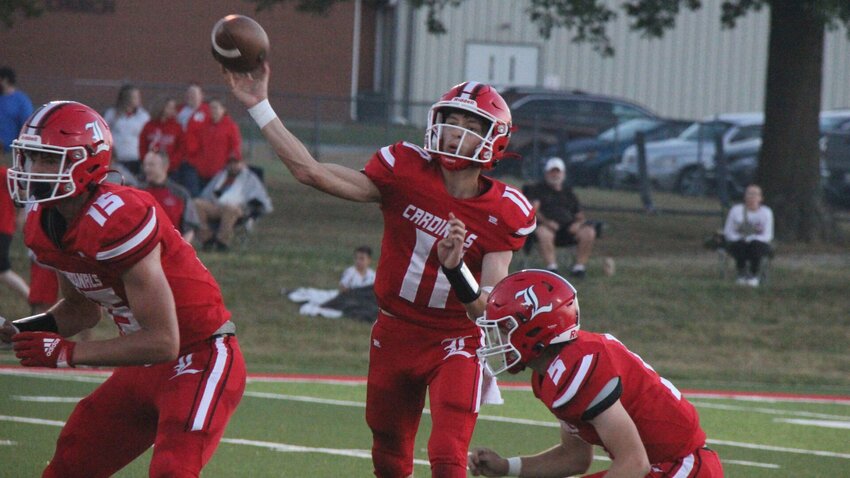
x: 514, y: 466
x: 262, y: 113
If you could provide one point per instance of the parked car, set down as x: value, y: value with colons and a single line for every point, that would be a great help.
x: 679, y: 164
x: 834, y: 164
x: 590, y: 161
x: 544, y: 118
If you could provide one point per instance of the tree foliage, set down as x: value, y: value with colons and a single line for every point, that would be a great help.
x: 10, y: 8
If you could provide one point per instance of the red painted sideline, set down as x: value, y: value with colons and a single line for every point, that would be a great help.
x: 355, y: 380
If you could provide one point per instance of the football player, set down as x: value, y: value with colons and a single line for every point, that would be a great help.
x: 449, y: 234
x: 601, y: 392
x: 179, y: 372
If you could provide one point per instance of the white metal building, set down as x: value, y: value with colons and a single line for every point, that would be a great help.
x: 697, y: 69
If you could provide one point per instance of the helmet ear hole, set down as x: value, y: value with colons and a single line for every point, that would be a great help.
x: 538, y: 347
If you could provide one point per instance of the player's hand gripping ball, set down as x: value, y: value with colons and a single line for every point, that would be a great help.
x: 239, y: 43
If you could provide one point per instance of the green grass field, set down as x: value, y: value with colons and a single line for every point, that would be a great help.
x: 666, y: 302
x: 298, y: 428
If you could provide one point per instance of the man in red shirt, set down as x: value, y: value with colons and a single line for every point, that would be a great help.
x: 179, y: 372
x: 163, y: 133
x: 446, y: 228
x: 218, y: 140
x: 601, y: 392
x: 192, y: 115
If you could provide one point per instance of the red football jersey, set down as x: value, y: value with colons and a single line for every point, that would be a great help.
x: 8, y: 212
x: 116, y: 228
x: 165, y: 136
x: 667, y: 423
x: 415, y: 204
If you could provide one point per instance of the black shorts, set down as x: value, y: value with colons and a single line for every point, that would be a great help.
x: 564, y: 238
x: 5, y: 242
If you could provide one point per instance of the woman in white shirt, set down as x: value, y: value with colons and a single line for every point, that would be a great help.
x: 126, y: 120
x: 748, y: 232
x: 360, y: 274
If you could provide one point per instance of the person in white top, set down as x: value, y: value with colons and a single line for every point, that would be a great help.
x: 749, y: 232
x: 360, y: 274
x: 126, y: 120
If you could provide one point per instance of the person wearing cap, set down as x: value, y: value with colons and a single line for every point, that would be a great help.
x: 560, y: 220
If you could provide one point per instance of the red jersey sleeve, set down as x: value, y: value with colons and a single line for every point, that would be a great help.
x: 123, y: 226
x: 519, y: 216
x: 576, y: 378
x: 381, y: 167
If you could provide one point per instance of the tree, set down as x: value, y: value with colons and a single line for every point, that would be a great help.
x: 8, y: 9
x: 789, y: 163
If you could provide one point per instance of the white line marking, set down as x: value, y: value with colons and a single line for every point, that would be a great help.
x: 769, y: 411
x: 301, y: 398
x: 800, y: 451
x: 33, y: 421
x: 751, y: 463
x: 95, y: 378
x: 283, y: 447
x: 765, y: 399
x: 815, y: 423
x: 25, y: 398
x: 8, y: 443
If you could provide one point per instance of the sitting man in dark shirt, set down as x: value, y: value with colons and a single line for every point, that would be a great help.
x: 174, y: 198
x: 560, y: 220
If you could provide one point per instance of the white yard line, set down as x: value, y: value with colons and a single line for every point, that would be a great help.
x: 782, y: 449
x: 845, y: 425
x: 769, y: 411
x: 40, y: 399
x: 8, y: 443
x: 756, y: 464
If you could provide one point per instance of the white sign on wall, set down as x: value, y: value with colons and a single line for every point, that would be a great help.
x: 502, y: 64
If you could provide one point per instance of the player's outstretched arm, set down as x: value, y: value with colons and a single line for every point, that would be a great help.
x: 251, y: 89
x: 572, y: 456
x: 152, y: 304
x: 618, y: 432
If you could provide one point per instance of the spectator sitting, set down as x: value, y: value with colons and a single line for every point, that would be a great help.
x: 560, y: 220
x: 173, y: 198
x: 220, y: 139
x: 126, y: 120
x: 229, y: 196
x: 360, y: 274
x: 748, y: 232
x: 15, y: 108
x: 163, y: 133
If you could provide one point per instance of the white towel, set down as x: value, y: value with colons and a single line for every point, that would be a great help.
x: 490, y: 394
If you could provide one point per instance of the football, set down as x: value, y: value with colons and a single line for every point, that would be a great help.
x: 239, y: 43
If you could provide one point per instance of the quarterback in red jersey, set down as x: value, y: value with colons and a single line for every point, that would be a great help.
x: 601, y: 392
x: 180, y: 373
x: 446, y: 228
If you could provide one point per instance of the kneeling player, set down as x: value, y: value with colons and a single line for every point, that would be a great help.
x: 180, y: 373
x: 602, y: 393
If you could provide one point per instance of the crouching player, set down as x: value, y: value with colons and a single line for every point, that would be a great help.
x: 602, y: 393
x: 180, y: 374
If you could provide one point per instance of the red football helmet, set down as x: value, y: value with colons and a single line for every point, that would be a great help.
x: 526, y: 312
x: 81, y: 141
x: 480, y: 100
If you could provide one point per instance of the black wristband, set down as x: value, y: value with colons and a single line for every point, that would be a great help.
x: 45, y: 322
x: 465, y: 286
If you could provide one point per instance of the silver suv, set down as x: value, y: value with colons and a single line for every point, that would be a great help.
x: 679, y: 164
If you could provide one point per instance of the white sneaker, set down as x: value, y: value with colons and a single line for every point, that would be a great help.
x: 753, y: 282
x: 742, y: 280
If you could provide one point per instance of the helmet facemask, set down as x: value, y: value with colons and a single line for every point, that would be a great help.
x: 498, y: 352
x: 439, y: 134
x: 28, y: 187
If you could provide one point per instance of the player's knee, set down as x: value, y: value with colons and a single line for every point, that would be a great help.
x: 390, y: 459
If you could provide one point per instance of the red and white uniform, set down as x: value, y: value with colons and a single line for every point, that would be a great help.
x: 416, y: 207
x: 574, y: 390
x: 423, y: 342
x: 182, y: 406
